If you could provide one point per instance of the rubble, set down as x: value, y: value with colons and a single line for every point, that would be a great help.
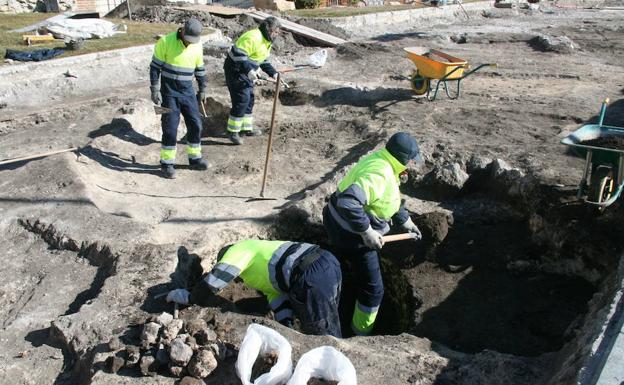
x: 202, y: 364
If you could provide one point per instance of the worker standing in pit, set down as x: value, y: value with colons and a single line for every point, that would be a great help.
x: 360, y: 212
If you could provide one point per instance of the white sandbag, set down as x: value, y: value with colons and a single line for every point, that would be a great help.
x: 261, y: 340
x: 324, y: 362
x: 318, y: 58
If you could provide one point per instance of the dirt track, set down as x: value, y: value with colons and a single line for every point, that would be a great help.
x: 508, y: 286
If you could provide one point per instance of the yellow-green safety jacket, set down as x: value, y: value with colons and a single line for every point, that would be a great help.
x: 263, y: 265
x: 251, y: 51
x: 177, y: 65
x: 369, y: 195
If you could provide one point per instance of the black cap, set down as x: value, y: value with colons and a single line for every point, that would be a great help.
x: 403, y: 147
x: 192, y: 30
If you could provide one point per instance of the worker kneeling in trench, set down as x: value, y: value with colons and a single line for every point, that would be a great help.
x: 298, y: 279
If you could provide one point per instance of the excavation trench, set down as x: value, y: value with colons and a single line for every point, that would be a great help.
x: 484, y: 277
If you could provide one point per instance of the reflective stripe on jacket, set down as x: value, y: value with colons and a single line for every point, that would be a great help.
x: 177, y: 65
x: 369, y: 194
x: 251, y: 51
x: 263, y: 265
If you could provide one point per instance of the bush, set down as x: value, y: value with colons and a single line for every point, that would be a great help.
x: 307, y: 4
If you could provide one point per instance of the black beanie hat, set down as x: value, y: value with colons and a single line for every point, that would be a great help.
x: 403, y: 147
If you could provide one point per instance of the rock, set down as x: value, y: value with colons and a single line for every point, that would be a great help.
x: 171, y: 331
x: 190, y: 341
x: 202, y: 364
x: 133, y: 355
x: 477, y: 163
x: 114, y: 344
x: 148, y: 365
x: 164, y: 319
x: 446, y: 181
x: 114, y: 363
x: 191, y: 381
x: 176, y: 371
x: 193, y: 327
x: 179, y: 352
x: 558, y: 44
x: 149, y: 334
x: 499, y: 167
x: 206, y: 336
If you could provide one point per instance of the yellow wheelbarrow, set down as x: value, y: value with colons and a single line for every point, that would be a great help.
x: 432, y: 64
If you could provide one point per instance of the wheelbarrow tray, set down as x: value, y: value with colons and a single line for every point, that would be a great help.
x: 601, y: 155
x: 425, y: 60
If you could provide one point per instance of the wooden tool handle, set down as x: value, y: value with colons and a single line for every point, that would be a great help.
x: 398, y: 237
x: 42, y: 155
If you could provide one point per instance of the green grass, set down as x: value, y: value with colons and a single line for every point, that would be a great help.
x: 354, y: 11
x: 138, y: 33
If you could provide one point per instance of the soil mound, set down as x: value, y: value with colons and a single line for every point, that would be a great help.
x: 613, y: 142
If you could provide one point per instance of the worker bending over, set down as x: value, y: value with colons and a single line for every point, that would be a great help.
x: 242, y: 64
x: 298, y: 279
x: 177, y: 58
x: 360, y: 212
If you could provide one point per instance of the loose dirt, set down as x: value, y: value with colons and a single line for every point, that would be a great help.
x: 613, y: 142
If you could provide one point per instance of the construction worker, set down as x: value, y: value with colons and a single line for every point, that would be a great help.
x: 298, y: 277
x: 360, y: 212
x: 242, y: 64
x: 177, y: 58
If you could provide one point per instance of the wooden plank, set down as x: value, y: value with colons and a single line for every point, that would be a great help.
x: 214, y: 9
x: 299, y: 29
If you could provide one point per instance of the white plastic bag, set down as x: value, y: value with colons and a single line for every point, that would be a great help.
x: 324, y: 362
x: 318, y: 58
x: 261, y: 340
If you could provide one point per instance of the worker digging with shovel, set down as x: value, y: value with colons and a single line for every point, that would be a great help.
x: 359, y: 213
x: 242, y: 64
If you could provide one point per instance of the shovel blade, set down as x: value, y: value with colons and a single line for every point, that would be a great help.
x: 159, y: 110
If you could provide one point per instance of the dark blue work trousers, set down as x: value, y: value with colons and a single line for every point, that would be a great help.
x: 315, y: 294
x: 364, y: 260
x: 188, y: 107
x: 241, y: 90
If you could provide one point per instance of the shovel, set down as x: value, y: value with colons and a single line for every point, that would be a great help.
x: 278, y: 82
x: 159, y: 110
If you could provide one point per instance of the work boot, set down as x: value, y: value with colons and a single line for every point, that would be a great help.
x: 198, y: 164
x: 168, y: 171
x: 235, y: 138
x: 251, y: 132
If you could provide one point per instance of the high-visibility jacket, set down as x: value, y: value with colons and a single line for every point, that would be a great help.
x: 177, y: 65
x: 369, y: 195
x: 263, y: 265
x: 251, y: 51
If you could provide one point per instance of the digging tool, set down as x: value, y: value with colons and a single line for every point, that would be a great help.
x: 42, y: 155
x: 159, y: 110
x: 270, y: 144
x: 399, y: 237
x: 203, y: 108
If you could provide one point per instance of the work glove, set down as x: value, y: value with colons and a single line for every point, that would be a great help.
x: 202, y: 95
x: 252, y: 75
x: 179, y: 296
x: 275, y: 75
x: 411, y: 227
x: 156, y: 98
x: 372, y: 239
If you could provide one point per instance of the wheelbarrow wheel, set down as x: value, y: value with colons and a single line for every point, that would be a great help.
x: 420, y: 85
x: 601, y: 186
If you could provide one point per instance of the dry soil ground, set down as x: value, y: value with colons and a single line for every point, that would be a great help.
x: 509, y: 285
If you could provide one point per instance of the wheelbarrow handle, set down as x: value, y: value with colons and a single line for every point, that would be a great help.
x: 603, y: 111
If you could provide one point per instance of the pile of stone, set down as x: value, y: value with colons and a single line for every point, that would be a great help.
x: 167, y: 345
